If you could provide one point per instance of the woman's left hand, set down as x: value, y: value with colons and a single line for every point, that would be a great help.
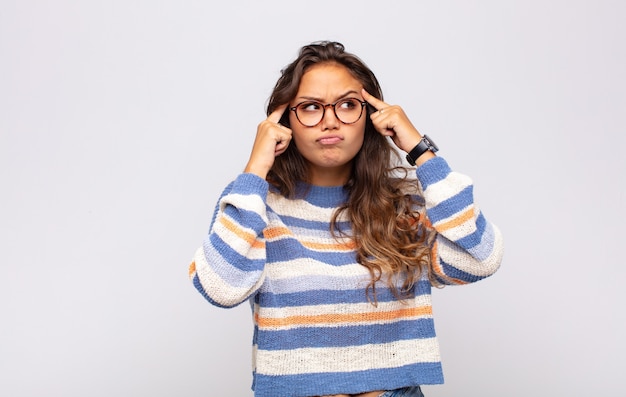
x: 391, y: 121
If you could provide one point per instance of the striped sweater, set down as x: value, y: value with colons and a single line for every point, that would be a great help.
x: 315, y: 332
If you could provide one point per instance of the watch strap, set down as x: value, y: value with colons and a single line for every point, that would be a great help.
x: 424, y: 145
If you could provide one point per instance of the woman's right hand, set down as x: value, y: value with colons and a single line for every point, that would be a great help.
x: 271, y: 140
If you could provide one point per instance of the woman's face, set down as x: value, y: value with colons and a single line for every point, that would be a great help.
x: 330, y: 146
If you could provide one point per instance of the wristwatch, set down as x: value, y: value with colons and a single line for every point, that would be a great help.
x: 425, y: 144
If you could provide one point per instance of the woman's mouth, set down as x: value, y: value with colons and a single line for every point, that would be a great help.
x: 330, y: 140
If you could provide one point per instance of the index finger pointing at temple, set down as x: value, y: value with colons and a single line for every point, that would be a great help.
x: 372, y: 100
x: 275, y: 116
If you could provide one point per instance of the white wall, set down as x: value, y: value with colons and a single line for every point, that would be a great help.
x: 121, y: 121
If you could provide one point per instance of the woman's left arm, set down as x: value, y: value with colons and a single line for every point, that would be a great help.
x: 467, y: 247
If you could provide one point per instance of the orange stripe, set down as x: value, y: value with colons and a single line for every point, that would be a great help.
x: 462, y: 218
x: 247, y: 237
x: 434, y: 258
x: 192, y: 268
x: 343, y: 318
x: 258, y: 244
x: 348, y: 246
x: 277, y: 232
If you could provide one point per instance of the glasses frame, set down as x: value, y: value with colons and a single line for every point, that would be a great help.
x: 332, y: 105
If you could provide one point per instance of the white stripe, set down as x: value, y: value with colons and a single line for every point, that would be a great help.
x: 306, y: 210
x: 313, y: 283
x: 303, y: 267
x: 347, y: 359
x: 347, y: 309
x: 446, y: 188
x: 217, y: 288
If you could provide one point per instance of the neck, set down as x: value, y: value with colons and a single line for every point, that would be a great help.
x: 329, y: 176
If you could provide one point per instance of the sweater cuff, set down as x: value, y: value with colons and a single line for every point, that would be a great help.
x: 248, y: 183
x: 432, y: 171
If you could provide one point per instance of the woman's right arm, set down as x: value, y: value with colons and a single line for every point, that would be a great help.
x: 228, y: 268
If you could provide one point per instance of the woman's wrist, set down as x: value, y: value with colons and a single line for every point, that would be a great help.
x: 256, y: 170
x: 427, y: 155
x: 423, y: 151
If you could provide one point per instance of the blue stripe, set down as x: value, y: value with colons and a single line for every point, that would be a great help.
x: 324, y: 196
x: 432, y: 171
x: 248, y: 183
x: 249, y: 219
x: 216, y: 250
x: 329, y: 296
x: 347, y: 382
x: 454, y: 272
x: 485, y: 248
x: 200, y: 288
x: 354, y: 335
x: 452, y: 205
x: 289, y: 249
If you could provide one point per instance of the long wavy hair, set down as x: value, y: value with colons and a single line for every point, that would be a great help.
x: 391, y: 239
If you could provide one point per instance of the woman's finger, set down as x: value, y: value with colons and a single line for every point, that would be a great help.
x: 372, y: 100
x: 276, y: 115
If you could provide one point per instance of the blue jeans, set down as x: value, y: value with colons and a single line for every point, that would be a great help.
x: 413, y: 391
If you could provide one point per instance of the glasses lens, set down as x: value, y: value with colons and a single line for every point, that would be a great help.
x: 348, y: 110
x: 310, y: 113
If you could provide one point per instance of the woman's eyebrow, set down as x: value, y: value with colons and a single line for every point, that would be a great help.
x: 312, y: 98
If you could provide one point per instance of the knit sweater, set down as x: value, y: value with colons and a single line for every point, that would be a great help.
x: 315, y: 332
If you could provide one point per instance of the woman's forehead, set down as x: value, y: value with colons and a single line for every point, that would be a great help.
x: 324, y: 80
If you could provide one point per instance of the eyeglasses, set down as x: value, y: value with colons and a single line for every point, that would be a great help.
x: 310, y: 113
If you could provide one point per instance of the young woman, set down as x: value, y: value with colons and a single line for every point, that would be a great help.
x: 335, y: 244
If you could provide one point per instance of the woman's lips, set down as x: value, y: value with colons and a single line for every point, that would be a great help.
x: 330, y: 140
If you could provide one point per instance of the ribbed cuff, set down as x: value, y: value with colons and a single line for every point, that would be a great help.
x: 432, y: 171
x: 248, y: 183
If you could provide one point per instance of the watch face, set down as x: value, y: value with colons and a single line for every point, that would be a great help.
x: 432, y: 145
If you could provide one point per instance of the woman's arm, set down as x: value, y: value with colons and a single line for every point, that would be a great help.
x: 228, y: 268
x: 467, y: 248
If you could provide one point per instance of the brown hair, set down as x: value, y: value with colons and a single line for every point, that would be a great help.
x: 390, y: 236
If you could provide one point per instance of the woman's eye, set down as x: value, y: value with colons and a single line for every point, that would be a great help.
x: 348, y: 104
x: 310, y: 107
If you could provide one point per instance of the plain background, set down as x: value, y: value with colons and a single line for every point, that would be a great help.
x: 121, y: 122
